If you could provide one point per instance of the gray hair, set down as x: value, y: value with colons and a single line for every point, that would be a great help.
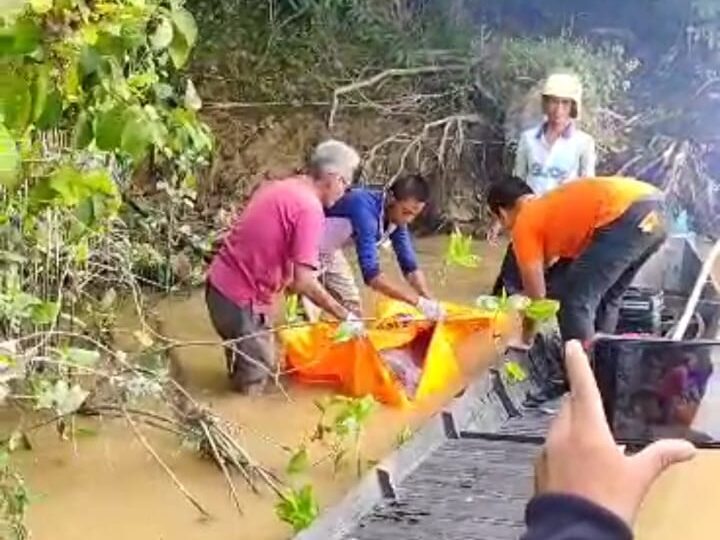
x: 334, y: 157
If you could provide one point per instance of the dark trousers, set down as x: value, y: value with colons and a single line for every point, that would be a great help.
x: 595, y: 282
x: 510, y: 279
x: 251, y: 359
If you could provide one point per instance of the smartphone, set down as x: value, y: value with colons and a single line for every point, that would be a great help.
x: 655, y: 388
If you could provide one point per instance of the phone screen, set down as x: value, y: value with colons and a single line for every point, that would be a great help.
x: 654, y: 389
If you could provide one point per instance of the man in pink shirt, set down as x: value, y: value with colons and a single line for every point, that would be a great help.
x: 275, y: 244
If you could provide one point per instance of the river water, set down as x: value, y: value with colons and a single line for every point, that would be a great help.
x: 105, y: 485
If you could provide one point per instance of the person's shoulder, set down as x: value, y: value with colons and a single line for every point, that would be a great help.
x: 531, y: 133
x: 296, y: 191
x: 356, y: 199
x: 529, y: 215
x: 583, y: 136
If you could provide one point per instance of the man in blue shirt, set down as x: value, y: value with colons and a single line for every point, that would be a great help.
x: 371, y: 219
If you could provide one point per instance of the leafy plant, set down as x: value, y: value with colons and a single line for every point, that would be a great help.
x: 298, y: 462
x: 542, y: 310
x: 298, y: 507
x: 459, y: 251
x: 538, y: 310
x: 292, y: 308
x: 340, y: 427
x: 14, y: 501
x: 515, y: 372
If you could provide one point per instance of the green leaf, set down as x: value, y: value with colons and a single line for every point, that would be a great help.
x: 137, y: 138
x: 190, y: 182
x: 299, y: 461
x: 179, y: 51
x: 298, y: 508
x: 109, y: 127
x: 292, y: 308
x: 45, y: 313
x: 25, y: 37
x: 163, y: 34
x: 184, y: 24
x: 65, y: 182
x: 82, y: 357
x: 184, y: 36
x: 342, y: 335
x: 89, y: 62
x: 40, y: 91
x: 15, y: 101
x: 9, y: 159
x: 52, y: 111
x: 515, y: 372
x: 542, y: 310
x: 459, y: 251
x: 83, y: 132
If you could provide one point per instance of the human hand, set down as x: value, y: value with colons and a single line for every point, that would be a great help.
x: 432, y: 309
x: 581, y: 458
x: 352, y: 327
x: 493, y: 233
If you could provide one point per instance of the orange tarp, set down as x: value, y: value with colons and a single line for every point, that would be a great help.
x: 356, y: 367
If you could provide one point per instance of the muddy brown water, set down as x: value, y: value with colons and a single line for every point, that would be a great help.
x: 105, y: 485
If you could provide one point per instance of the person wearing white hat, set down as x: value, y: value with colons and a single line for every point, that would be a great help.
x: 556, y: 151
x: 553, y: 153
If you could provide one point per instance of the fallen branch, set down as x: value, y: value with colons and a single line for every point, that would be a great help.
x: 380, y: 77
x: 138, y: 434
x: 221, y: 463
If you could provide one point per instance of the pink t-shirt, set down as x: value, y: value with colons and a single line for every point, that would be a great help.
x: 281, y: 226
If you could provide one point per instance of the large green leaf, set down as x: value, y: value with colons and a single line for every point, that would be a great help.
x: 83, y: 131
x: 299, y: 461
x: 52, y: 112
x: 184, y: 36
x: 22, y: 38
x: 138, y: 135
x: 66, y: 183
x: 15, y: 101
x: 163, y: 34
x: 184, y: 24
x: 9, y: 159
x: 109, y: 127
x: 45, y: 313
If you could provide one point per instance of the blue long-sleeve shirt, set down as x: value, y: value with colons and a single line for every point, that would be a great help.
x: 359, y: 215
x: 566, y: 517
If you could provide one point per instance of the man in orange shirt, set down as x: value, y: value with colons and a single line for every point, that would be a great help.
x: 603, y: 229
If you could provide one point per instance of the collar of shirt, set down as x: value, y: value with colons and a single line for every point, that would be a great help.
x: 566, y: 133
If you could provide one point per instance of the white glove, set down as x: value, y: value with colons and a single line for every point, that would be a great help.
x: 352, y: 327
x: 432, y: 309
